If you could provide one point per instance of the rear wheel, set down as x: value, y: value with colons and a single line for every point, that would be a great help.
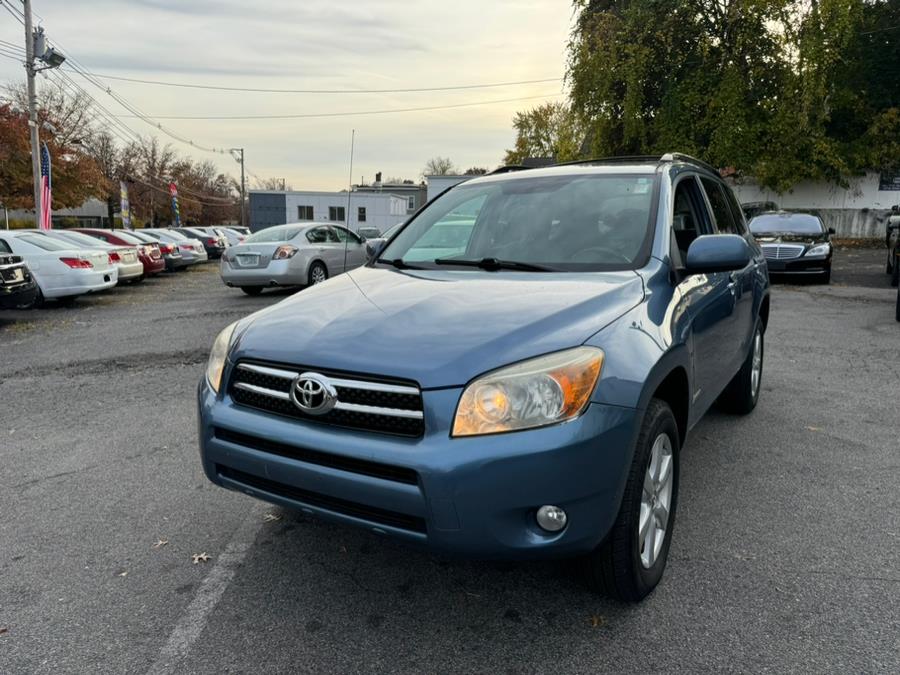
x: 317, y: 273
x: 742, y: 393
x: 630, y: 563
x: 252, y: 290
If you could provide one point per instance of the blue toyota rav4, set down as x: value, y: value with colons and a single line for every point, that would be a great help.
x: 514, y: 375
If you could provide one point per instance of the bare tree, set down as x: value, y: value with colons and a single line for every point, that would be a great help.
x: 439, y: 166
x: 271, y: 184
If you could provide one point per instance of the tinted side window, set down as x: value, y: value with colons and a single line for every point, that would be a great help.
x: 4, y: 247
x: 721, y: 210
x: 736, y: 211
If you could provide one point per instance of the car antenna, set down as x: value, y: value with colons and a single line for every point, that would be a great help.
x: 349, y: 195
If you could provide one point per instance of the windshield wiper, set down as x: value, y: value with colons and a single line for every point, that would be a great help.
x: 493, y: 264
x: 399, y: 263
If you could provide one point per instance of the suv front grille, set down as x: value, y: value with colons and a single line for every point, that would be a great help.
x: 369, y: 404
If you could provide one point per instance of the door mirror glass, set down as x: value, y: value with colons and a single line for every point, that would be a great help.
x: 717, y: 253
x: 374, y: 248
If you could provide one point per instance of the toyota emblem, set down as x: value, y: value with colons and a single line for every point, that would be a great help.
x: 313, y: 394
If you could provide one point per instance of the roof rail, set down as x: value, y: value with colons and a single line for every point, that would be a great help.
x: 610, y: 160
x: 508, y: 169
x: 687, y: 159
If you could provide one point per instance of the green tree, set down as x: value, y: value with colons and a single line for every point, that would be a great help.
x: 549, y: 130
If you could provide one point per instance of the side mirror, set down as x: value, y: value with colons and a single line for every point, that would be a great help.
x: 717, y: 253
x: 831, y: 230
x: 374, y: 248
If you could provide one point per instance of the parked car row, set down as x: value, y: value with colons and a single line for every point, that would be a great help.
x: 38, y: 265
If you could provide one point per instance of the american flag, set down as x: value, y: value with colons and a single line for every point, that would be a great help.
x: 46, y: 223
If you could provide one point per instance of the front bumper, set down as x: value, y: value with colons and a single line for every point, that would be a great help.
x: 276, y: 273
x: 801, y: 265
x: 473, y: 497
x: 20, y: 295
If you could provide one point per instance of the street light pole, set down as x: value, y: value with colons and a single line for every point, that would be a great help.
x: 32, y: 113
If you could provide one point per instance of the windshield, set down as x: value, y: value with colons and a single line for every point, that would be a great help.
x: 46, y: 243
x: 82, y: 240
x: 128, y: 238
x: 144, y: 237
x: 793, y: 223
x: 577, y: 222
x: 172, y: 234
x: 277, y: 233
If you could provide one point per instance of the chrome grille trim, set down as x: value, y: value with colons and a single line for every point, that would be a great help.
x: 782, y: 251
x: 337, y: 382
x: 349, y: 407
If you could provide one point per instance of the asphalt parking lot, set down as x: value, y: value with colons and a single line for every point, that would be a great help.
x: 786, y: 554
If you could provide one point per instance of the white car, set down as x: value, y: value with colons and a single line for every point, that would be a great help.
x: 61, y: 270
x: 125, y: 258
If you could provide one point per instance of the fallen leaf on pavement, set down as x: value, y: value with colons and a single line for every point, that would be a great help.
x: 160, y: 543
x: 123, y: 574
x: 200, y: 557
x: 597, y: 621
x: 271, y: 517
x: 813, y: 428
x: 3, y: 630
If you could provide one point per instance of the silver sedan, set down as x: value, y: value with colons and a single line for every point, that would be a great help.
x: 299, y: 254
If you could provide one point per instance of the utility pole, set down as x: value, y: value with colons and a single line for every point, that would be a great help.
x: 238, y: 154
x: 32, y: 113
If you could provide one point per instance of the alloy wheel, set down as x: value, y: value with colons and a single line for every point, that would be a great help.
x: 656, y: 501
x: 318, y: 275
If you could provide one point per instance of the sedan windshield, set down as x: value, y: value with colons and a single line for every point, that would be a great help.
x: 786, y: 223
x: 573, y: 222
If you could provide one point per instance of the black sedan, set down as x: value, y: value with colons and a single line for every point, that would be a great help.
x: 795, y: 243
x: 17, y: 287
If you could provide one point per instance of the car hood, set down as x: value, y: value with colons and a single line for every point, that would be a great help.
x: 438, y: 328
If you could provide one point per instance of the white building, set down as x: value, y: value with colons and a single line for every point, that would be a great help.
x: 276, y: 207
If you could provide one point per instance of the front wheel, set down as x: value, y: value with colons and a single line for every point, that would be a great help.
x: 317, y: 273
x: 742, y: 393
x: 630, y: 563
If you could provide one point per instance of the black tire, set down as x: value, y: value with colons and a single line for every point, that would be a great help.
x: 36, y: 302
x: 740, y: 396
x: 895, y: 272
x: 252, y: 290
x: 317, y: 273
x: 615, y: 567
x: 889, y: 268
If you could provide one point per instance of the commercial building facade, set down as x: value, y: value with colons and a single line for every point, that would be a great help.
x: 354, y: 209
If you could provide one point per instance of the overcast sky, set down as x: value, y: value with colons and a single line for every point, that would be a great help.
x: 321, y: 44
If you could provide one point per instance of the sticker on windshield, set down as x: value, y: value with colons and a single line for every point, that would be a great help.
x: 642, y: 186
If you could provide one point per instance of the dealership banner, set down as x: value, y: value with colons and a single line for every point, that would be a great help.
x: 173, y: 190
x: 889, y: 181
x: 125, y: 207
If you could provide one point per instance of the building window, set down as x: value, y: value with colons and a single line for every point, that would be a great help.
x: 411, y: 203
x: 337, y: 214
x: 361, y: 214
x: 305, y: 213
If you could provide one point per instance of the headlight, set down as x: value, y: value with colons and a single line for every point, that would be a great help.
x: 821, y: 249
x: 534, y: 393
x: 285, y: 252
x: 217, y: 357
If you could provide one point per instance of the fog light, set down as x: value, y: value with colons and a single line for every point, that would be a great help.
x: 551, y: 518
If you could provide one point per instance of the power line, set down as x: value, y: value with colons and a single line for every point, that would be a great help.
x: 354, y: 113
x: 184, y: 85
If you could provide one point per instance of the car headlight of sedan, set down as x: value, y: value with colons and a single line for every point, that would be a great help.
x: 217, y: 357
x: 285, y: 252
x: 534, y: 393
x: 820, y: 250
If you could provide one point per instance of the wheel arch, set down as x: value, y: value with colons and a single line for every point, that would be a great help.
x: 764, y: 312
